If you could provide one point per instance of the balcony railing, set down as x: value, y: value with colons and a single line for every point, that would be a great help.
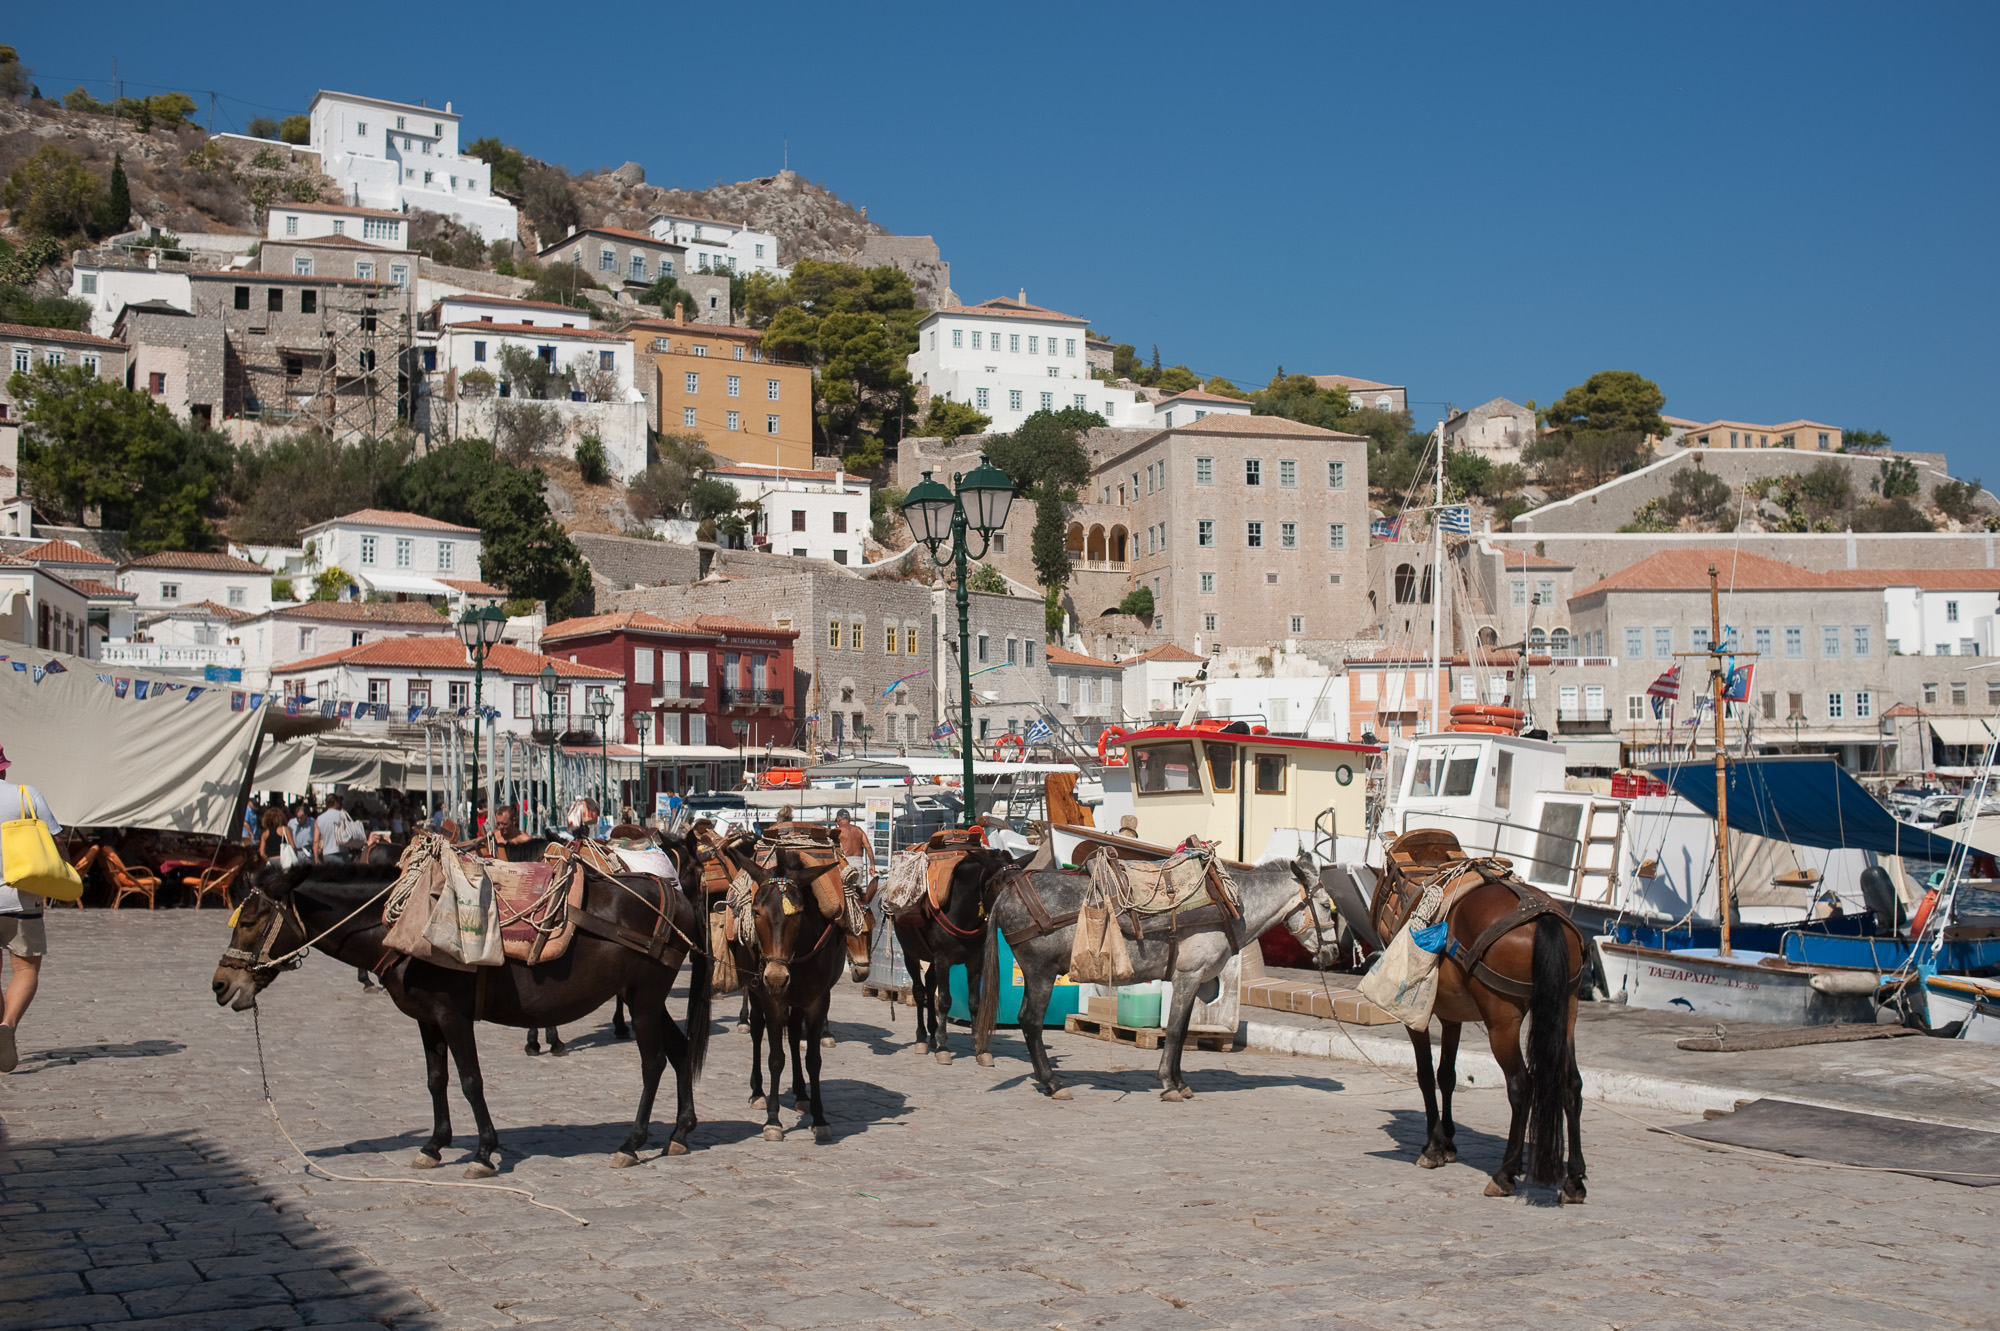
x: 160, y: 656
x: 753, y: 697
x: 676, y: 694
x: 1583, y: 718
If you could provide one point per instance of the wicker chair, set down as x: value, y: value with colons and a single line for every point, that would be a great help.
x: 126, y: 882
x: 216, y: 880
x: 84, y: 864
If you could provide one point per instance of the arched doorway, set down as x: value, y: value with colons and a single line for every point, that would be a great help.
x: 1406, y: 584
x: 1094, y: 549
x: 1073, y: 541
x: 1118, y: 541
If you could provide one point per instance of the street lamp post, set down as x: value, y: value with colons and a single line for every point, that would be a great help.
x: 937, y: 515
x: 601, y: 708
x: 549, y: 687
x: 480, y: 631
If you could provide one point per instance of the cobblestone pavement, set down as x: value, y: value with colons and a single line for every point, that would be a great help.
x: 143, y: 1184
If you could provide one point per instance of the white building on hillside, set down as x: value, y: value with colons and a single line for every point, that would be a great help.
x: 1497, y: 430
x: 1008, y: 359
x: 394, y: 156
x: 391, y: 554
x: 716, y: 247
x: 810, y: 514
x: 386, y: 227
x: 181, y: 577
x: 1193, y: 405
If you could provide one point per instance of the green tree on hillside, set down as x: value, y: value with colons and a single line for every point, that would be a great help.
x: 118, y: 201
x: 508, y: 163
x: 296, y: 480
x: 948, y: 419
x: 855, y: 325
x: 1863, y: 441
x: 1598, y: 429
x: 523, y: 548
x: 1046, y: 458
x: 296, y: 129
x: 54, y: 194
x: 88, y: 443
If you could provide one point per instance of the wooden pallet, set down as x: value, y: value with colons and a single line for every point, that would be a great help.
x: 1148, y: 1037
x: 890, y: 993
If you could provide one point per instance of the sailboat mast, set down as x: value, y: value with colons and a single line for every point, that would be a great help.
x: 1437, y: 581
x: 1715, y: 684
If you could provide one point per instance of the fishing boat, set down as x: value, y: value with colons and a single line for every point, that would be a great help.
x: 1972, y: 1003
x: 1736, y: 984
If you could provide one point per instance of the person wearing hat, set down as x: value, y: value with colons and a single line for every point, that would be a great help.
x: 22, y: 932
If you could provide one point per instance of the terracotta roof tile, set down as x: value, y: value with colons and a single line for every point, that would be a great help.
x: 385, y: 517
x: 200, y: 610
x: 1687, y: 570
x: 59, y: 335
x: 473, y: 587
x: 59, y: 551
x: 729, y: 624
x: 1009, y: 308
x: 1203, y: 395
x: 1167, y: 652
x: 1064, y: 656
x: 1349, y: 381
x: 101, y: 591
x: 196, y: 562
x: 444, y: 652
x: 405, y: 613
x: 341, y: 208
x: 1929, y: 579
x: 698, y: 330
x: 1230, y: 423
x: 624, y: 621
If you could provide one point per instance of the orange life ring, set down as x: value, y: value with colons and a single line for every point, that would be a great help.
x: 1490, y: 712
x: 1467, y: 727
x: 1104, y: 738
x: 1923, y: 915
x: 1004, y: 741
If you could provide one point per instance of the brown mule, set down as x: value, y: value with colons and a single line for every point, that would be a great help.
x: 1513, y: 957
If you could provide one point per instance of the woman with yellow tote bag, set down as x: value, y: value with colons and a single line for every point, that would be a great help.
x: 22, y: 931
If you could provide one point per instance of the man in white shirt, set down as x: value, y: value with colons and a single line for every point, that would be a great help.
x: 333, y: 831
x: 22, y: 932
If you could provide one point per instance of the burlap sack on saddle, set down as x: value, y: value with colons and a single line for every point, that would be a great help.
x: 464, y: 926
x: 742, y: 926
x: 412, y: 901
x: 816, y: 849
x: 1098, y: 954
x: 534, y: 899
x: 1403, y: 980
x: 908, y: 881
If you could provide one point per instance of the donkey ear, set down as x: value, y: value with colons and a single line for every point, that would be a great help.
x: 1302, y: 870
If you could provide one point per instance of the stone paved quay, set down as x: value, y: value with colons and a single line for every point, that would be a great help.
x: 143, y: 1184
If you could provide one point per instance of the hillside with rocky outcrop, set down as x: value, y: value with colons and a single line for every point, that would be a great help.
x: 809, y: 220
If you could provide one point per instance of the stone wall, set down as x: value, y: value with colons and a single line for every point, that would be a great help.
x: 1014, y: 629
x: 620, y: 426
x: 472, y: 279
x: 711, y: 294
x: 917, y: 256
x: 1613, y: 504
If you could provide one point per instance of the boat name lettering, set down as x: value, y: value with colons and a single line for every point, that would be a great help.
x: 1696, y: 977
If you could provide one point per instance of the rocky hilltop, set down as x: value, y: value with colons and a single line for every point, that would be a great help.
x: 809, y: 220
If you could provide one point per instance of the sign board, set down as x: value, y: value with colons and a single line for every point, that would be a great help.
x: 665, y: 806
x: 880, y: 819
x: 222, y: 674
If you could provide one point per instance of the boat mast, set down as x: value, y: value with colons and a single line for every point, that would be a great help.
x: 1715, y: 683
x: 1437, y: 579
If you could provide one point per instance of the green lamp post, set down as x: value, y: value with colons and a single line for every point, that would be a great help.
x: 937, y: 515
x: 480, y: 631
x: 549, y: 688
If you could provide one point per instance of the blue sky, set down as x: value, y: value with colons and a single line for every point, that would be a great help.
x: 1773, y: 210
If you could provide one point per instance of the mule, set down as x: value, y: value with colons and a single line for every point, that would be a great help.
x: 1286, y: 892
x: 789, y: 962
x: 338, y: 910
x: 1526, y: 974
x: 952, y: 936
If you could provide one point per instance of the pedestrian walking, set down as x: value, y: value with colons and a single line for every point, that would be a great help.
x: 23, y: 932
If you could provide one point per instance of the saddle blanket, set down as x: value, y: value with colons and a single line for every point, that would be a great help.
x: 1178, y: 883
x: 908, y: 881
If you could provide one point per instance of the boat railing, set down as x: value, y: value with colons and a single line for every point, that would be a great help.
x: 1542, y: 869
x: 1325, y: 835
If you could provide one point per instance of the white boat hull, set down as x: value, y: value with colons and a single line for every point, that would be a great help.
x: 1738, y: 988
x: 1978, y: 1006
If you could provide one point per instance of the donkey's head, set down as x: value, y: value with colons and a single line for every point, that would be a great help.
x: 1311, y: 918
x: 264, y: 927
x: 789, y: 929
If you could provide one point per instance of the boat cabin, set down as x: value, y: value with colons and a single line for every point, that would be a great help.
x: 1253, y: 793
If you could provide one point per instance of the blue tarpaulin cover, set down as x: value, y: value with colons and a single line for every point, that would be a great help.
x: 1808, y: 801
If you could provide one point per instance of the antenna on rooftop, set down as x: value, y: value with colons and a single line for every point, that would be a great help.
x: 788, y: 154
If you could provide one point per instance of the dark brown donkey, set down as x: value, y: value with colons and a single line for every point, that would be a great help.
x: 632, y: 935
x: 1512, y: 956
x: 789, y: 957
x: 948, y: 936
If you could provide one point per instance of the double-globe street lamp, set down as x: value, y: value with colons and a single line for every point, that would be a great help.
x: 600, y: 708
x: 550, y: 687
x: 937, y: 515
x: 480, y: 631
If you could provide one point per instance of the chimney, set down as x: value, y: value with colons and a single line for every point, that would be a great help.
x: 680, y: 313
x: 153, y: 258
x: 1024, y: 295
x: 572, y: 231
x: 447, y: 108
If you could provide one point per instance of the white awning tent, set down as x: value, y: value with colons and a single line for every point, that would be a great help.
x: 408, y: 586
x: 360, y: 763
x: 1962, y: 732
x: 175, y: 760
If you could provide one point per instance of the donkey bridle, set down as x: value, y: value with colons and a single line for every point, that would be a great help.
x: 235, y: 958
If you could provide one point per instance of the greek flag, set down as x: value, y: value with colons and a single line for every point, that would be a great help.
x: 1040, y: 733
x: 1385, y: 529
x: 1456, y: 518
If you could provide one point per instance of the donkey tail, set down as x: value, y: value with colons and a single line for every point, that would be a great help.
x: 701, y: 982
x: 1549, y: 1052
x: 984, y: 1020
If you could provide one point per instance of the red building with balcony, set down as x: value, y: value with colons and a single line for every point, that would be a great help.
x: 710, y: 681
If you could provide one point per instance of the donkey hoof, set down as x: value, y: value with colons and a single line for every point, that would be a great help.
x: 532, y: 1051
x: 774, y: 1133
x: 826, y: 1042
x: 944, y: 1057
x: 1430, y: 1160
x: 742, y: 1028
x: 757, y: 1102
x: 1171, y: 1096
x: 801, y: 1100
x: 1061, y: 1093
x: 984, y: 1060
x: 1572, y: 1193
x: 558, y: 1051
x: 624, y: 1160
x: 823, y: 1135
x: 1187, y: 1092
x: 677, y: 1148
x: 1497, y: 1187
x: 480, y: 1169
x: 425, y: 1160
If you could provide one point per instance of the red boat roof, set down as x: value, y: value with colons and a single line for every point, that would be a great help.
x: 1199, y: 731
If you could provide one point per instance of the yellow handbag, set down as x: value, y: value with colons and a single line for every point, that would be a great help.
x: 31, y: 861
